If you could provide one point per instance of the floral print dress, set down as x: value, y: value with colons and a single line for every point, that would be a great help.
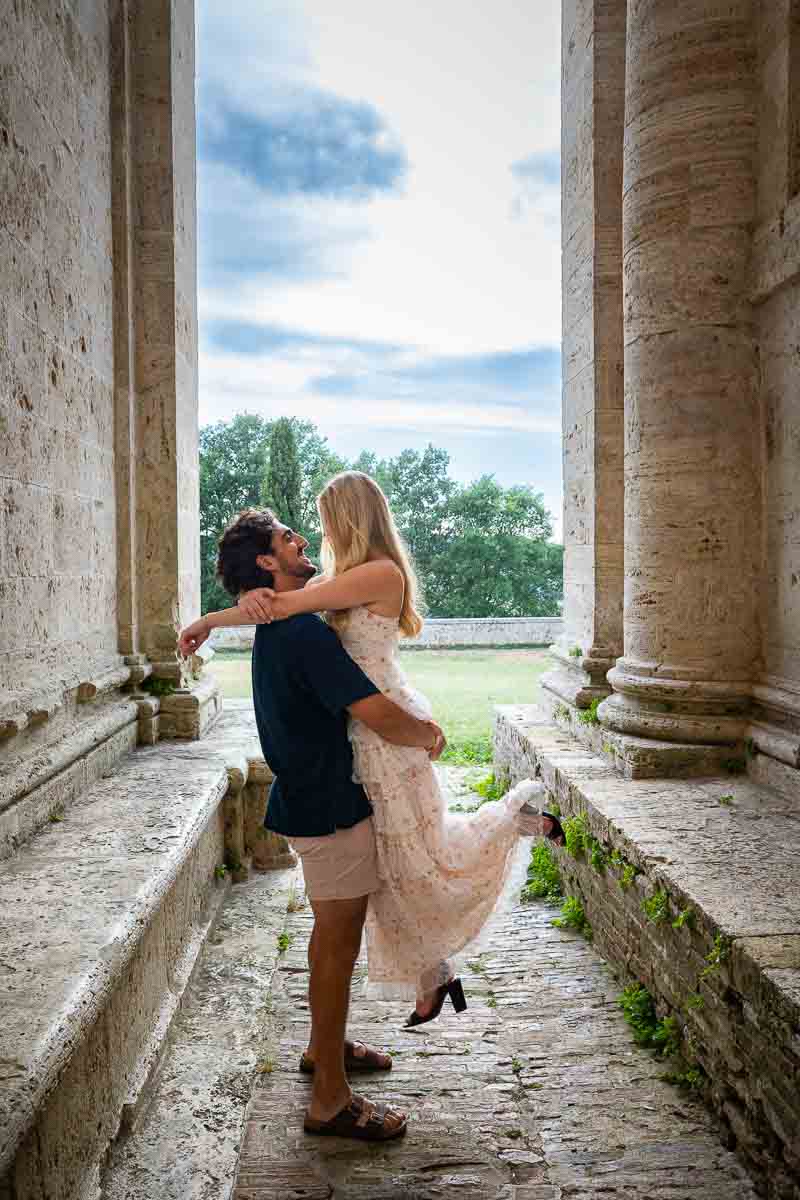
x: 441, y: 873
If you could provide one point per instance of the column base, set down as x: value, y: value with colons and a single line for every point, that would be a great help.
x: 578, y: 679
x: 190, y: 712
x: 635, y: 757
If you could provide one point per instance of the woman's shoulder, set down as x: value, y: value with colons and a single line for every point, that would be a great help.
x: 387, y: 567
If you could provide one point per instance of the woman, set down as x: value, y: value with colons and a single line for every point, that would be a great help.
x: 441, y: 873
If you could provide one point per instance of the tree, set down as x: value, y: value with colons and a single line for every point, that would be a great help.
x: 299, y: 464
x: 283, y: 476
x: 419, y: 490
x: 232, y: 458
x: 496, y: 561
x: 480, y: 550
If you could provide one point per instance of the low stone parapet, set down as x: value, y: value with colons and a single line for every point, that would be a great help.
x: 104, y: 912
x: 441, y: 632
x: 691, y: 888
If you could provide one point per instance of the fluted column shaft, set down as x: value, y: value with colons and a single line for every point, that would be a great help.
x: 691, y: 374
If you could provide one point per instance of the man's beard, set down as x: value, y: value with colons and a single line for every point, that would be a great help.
x: 301, y: 570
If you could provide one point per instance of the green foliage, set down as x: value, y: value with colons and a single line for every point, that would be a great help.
x: 235, y: 464
x: 629, y: 873
x: 56, y: 815
x: 221, y: 871
x: 588, y: 716
x: 656, y: 907
x: 750, y: 748
x: 468, y: 752
x: 491, y: 787
x: 735, y: 766
x: 284, y: 942
x: 573, y: 917
x: 283, y: 478
x: 717, y: 955
x: 694, y: 1000
x: 561, y: 712
x: 544, y: 877
x: 639, y: 1011
x: 576, y: 652
x: 692, y: 1078
x: 491, y: 1000
x: 156, y: 686
x: 516, y: 1066
x: 725, y: 800
x: 480, y: 549
x: 576, y: 834
x: 232, y: 460
x: 685, y: 917
x: 598, y: 855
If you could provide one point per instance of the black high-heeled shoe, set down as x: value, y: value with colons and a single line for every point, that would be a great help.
x: 454, y: 990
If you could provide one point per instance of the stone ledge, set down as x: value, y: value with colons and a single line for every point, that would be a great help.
x: 728, y: 850
x: 41, y: 785
x: 99, y: 912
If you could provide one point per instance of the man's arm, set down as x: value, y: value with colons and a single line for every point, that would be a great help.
x: 193, y: 636
x: 395, y: 725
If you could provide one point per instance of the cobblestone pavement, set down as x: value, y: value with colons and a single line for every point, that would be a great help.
x: 537, y: 1092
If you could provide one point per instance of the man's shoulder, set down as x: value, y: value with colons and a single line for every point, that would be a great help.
x: 304, y: 629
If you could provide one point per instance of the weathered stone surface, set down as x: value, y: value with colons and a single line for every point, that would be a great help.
x: 98, y: 914
x: 725, y: 852
x: 535, y: 1093
x: 592, y: 102
x: 185, y: 1146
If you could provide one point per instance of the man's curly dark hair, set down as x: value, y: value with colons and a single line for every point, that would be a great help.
x: 248, y: 535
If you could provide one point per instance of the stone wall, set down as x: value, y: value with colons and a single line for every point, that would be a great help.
x: 473, y: 631
x: 689, y: 888
x: 58, y: 556
x: 99, y: 538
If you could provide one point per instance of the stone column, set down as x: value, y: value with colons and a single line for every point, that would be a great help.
x: 156, y: 347
x: 691, y: 375
x: 593, y: 99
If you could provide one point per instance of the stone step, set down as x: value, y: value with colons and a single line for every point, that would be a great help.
x: 186, y: 1144
x: 707, y: 917
x: 103, y: 914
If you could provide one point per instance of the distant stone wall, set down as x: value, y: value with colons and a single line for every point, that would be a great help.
x: 456, y: 631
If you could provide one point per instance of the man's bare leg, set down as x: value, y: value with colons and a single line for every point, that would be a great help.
x: 333, y: 950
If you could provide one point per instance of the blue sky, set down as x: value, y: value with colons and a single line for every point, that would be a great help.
x: 379, y: 225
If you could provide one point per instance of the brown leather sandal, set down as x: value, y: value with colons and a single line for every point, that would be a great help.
x: 360, y: 1119
x: 373, y: 1060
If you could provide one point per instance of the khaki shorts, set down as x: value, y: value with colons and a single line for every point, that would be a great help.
x: 341, y: 866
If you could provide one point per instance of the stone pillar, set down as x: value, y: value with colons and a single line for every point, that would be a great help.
x: 155, y: 223
x: 692, y: 538
x: 593, y: 101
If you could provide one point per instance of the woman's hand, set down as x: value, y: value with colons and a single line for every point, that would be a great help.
x: 258, y: 604
x: 192, y: 637
x: 439, y: 741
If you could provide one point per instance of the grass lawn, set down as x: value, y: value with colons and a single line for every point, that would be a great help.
x: 462, y: 685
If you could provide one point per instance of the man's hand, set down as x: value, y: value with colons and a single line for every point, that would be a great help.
x: 192, y: 637
x: 259, y: 605
x: 440, y: 741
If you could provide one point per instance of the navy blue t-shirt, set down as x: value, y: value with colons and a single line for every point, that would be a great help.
x: 303, y: 682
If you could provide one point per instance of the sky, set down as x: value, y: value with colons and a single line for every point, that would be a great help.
x: 378, y: 191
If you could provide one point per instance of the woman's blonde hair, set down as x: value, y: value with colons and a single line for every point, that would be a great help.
x: 357, y: 523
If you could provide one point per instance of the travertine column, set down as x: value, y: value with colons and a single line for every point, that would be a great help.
x: 691, y: 375
x: 593, y: 98
x: 156, y: 327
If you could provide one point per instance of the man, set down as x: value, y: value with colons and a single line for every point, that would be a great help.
x: 304, y: 685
